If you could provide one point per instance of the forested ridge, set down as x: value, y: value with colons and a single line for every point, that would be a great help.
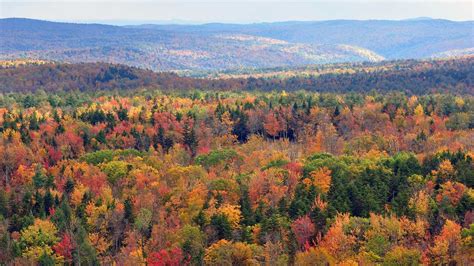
x: 220, y: 46
x: 412, y: 77
x: 166, y: 50
x: 189, y: 177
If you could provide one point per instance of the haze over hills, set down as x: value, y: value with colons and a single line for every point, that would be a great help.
x: 417, y: 38
x: 218, y: 46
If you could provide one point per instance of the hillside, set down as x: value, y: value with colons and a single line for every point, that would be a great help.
x: 413, y: 77
x: 391, y: 39
x: 231, y: 46
x: 161, y: 49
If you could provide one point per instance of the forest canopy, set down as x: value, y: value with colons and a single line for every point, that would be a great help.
x: 412, y: 77
x: 137, y: 177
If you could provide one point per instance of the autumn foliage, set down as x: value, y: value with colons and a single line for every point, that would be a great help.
x: 221, y: 178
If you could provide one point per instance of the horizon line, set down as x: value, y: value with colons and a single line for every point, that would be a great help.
x: 137, y: 22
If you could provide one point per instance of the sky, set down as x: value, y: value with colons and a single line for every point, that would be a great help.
x: 232, y: 11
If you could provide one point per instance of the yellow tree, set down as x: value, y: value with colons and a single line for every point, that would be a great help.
x: 315, y: 256
x: 445, y: 170
x: 232, y: 212
x: 225, y: 252
x: 322, y: 178
x: 38, y: 239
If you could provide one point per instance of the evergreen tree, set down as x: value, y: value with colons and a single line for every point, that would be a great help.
x: 240, y: 128
x: 48, y: 202
x: 246, y: 208
x: 222, y: 226
x: 128, y: 215
x: 190, y: 139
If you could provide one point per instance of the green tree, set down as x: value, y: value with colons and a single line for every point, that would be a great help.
x: 402, y: 256
x: 192, y: 242
x: 222, y: 226
x: 190, y: 138
x: 143, y: 224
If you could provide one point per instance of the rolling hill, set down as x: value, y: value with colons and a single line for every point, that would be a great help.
x: 232, y: 46
x: 403, y: 39
x: 410, y: 76
x: 161, y: 49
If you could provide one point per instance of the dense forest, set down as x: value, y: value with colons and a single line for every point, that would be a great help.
x: 220, y: 46
x: 166, y: 50
x: 186, y: 177
x: 410, y: 76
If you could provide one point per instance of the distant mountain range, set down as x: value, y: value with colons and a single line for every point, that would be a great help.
x: 218, y: 46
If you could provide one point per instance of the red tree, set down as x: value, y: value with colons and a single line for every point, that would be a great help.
x: 303, y: 229
x: 64, y: 247
x: 173, y: 257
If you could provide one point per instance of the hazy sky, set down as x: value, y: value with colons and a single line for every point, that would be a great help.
x: 242, y: 11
